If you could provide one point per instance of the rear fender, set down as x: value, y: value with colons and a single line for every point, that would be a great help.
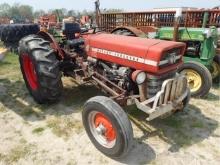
x: 135, y: 31
x: 53, y: 43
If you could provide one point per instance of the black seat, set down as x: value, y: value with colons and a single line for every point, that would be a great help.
x: 75, y: 42
x: 69, y: 30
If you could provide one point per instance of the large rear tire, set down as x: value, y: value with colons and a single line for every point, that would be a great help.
x: 129, y: 31
x: 40, y: 72
x: 199, y: 78
x: 12, y: 34
x: 216, y: 69
x: 107, y: 126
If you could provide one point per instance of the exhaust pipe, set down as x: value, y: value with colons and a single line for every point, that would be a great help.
x: 178, y: 16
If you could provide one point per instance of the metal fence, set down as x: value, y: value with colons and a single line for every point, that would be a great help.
x: 191, y: 18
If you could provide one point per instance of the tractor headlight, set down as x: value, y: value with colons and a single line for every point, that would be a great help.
x: 139, y: 77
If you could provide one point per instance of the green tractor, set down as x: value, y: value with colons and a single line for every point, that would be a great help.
x: 201, y: 63
x: 200, y: 55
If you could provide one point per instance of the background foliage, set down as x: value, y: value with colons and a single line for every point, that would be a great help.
x: 25, y: 13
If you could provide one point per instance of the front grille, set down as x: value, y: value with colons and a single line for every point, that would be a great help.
x: 154, y: 83
x: 166, y: 88
x: 173, y: 56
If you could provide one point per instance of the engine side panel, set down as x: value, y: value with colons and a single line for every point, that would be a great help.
x: 137, y: 53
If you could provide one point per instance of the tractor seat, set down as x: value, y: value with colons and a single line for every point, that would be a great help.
x: 70, y: 29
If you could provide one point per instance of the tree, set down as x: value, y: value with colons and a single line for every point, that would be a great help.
x: 19, y: 13
x: 71, y: 13
x: 14, y: 13
x: 26, y: 12
x: 39, y: 13
x: 4, y: 8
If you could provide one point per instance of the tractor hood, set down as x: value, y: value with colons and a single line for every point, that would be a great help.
x: 137, y: 53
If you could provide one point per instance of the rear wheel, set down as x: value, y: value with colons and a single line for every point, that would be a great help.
x: 130, y: 31
x: 199, y: 78
x: 215, y: 70
x: 40, y: 72
x: 107, y: 126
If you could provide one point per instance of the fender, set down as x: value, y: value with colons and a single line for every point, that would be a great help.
x: 53, y: 43
x: 133, y: 30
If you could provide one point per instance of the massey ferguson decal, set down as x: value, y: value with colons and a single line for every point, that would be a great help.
x: 125, y: 56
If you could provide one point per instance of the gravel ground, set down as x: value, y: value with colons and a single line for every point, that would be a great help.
x: 53, y: 134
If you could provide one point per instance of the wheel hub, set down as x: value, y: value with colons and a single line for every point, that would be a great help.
x: 29, y: 71
x: 194, y: 80
x: 102, y: 129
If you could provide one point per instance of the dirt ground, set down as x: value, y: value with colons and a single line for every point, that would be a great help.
x: 53, y: 134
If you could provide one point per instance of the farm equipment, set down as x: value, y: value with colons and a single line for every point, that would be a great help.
x: 11, y: 34
x: 197, y: 28
x: 199, y: 55
x: 4, y: 20
x: 130, y: 70
x: 50, y: 21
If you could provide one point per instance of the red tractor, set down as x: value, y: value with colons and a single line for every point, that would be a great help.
x: 130, y: 70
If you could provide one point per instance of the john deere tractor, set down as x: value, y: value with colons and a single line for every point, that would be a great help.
x: 199, y: 56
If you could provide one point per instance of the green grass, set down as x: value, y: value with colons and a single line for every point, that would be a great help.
x: 64, y: 126
x: 78, y: 95
x: 197, y: 124
x: 17, y: 153
x: 2, y: 108
x: 173, y: 122
x: 38, y: 130
x: 10, y: 64
x: 1, y: 44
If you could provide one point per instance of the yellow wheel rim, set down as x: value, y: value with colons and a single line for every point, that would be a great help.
x: 215, y: 69
x: 194, y: 79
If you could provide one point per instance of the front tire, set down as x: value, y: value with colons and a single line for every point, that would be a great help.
x: 107, y: 126
x: 40, y: 72
x: 199, y: 78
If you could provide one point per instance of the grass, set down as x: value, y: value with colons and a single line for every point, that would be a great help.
x: 10, y: 65
x: 64, y: 126
x: 197, y: 124
x: 72, y: 162
x: 2, y: 108
x: 38, y: 130
x: 17, y: 153
x: 77, y: 95
x: 1, y: 44
x: 16, y: 96
x: 173, y: 122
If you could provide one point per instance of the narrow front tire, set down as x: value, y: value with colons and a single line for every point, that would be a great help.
x: 107, y: 126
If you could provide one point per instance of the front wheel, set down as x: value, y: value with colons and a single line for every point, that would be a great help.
x: 107, y: 126
x: 199, y: 78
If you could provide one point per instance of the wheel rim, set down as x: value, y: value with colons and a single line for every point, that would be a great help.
x: 194, y: 79
x: 102, y: 129
x: 29, y: 71
x: 215, y: 70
